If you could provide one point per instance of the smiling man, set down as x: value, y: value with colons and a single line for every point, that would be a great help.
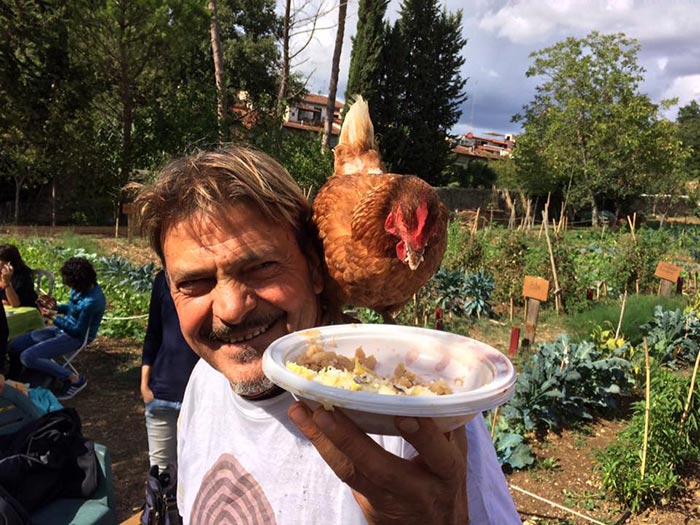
x: 233, y: 231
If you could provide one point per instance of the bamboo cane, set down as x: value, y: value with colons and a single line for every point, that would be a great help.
x: 645, y: 443
x: 690, y: 392
x: 557, y: 290
x: 494, y: 420
x: 622, y: 313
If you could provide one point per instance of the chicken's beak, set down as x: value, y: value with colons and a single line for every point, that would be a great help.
x: 413, y: 257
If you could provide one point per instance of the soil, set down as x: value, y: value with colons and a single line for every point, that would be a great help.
x: 112, y: 413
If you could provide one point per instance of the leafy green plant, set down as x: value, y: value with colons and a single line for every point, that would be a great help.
x: 477, y: 288
x: 672, y: 337
x: 669, y: 445
x: 564, y: 382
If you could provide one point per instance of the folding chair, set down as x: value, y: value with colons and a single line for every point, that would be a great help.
x: 68, y: 358
x: 41, y: 275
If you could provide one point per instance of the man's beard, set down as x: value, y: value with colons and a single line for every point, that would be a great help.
x: 253, y: 389
x: 245, y: 354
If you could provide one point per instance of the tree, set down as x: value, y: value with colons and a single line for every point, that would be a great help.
x: 364, y: 76
x: 421, y: 89
x: 588, y: 132
x: 299, y: 25
x: 689, y: 131
x: 335, y: 67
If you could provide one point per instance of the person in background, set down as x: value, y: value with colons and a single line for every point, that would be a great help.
x: 82, y: 314
x: 4, y: 336
x: 16, y: 280
x: 166, y: 365
x: 233, y: 231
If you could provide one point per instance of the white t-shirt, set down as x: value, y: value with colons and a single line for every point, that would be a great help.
x: 245, y: 462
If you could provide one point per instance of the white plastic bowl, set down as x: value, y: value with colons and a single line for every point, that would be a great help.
x: 481, y: 377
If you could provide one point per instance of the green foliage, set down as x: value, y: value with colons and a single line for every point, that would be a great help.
x: 511, y: 447
x: 477, y: 293
x: 364, y: 74
x: 476, y: 174
x: 589, y: 134
x: 669, y: 448
x: 639, y: 310
x: 689, y: 132
x: 564, y: 382
x: 463, y: 249
x: 672, y: 337
x: 506, y: 255
x: 126, y: 286
x: 299, y: 153
x: 636, y: 261
x: 419, y: 89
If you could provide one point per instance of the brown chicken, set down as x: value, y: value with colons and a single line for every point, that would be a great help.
x: 383, y: 234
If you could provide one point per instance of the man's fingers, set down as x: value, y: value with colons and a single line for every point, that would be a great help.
x: 339, y: 462
x: 444, y: 455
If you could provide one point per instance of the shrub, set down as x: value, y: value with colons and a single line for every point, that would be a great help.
x: 669, y: 446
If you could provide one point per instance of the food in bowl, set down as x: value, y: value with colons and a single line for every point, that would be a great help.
x: 358, y: 374
x: 479, y: 376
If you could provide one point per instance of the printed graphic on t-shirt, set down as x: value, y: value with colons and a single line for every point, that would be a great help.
x: 229, y: 494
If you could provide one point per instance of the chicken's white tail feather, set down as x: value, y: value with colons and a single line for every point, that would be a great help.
x: 357, y: 130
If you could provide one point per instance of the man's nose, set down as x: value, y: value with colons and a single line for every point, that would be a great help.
x: 232, y: 302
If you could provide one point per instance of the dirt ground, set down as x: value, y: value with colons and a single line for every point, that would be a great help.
x: 112, y: 413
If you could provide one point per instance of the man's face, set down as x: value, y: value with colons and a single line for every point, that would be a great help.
x: 239, y: 282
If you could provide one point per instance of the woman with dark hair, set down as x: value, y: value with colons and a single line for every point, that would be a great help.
x: 16, y: 282
x: 80, y: 316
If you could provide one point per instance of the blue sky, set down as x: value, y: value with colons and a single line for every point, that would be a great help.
x: 501, y: 34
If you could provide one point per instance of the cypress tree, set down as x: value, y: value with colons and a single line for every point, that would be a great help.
x: 422, y: 63
x: 365, y: 58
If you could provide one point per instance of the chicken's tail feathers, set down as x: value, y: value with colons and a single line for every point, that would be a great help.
x: 357, y: 149
x: 358, y: 130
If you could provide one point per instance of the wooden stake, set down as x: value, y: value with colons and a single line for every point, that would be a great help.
x: 494, y: 420
x: 533, y: 308
x: 690, y: 392
x: 622, y: 313
x: 512, y: 308
x: 645, y: 443
x: 632, y: 224
x: 475, y: 224
x: 557, y: 291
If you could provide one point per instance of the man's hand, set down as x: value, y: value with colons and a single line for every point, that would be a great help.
x: 430, y: 488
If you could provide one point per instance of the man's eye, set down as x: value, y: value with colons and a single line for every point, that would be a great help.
x: 195, y: 286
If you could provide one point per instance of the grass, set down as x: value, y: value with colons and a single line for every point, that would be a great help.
x: 638, y: 311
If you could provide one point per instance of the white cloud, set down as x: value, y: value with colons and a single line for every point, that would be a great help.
x: 686, y: 88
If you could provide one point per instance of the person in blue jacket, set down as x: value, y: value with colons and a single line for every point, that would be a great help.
x: 71, y: 321
x: 166, y: 365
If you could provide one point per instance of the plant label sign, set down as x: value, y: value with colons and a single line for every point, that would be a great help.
x: 535, y: 288
x: 668, y: 272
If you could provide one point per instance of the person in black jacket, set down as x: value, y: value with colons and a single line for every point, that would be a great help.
x: 166, y: 365
x: 16, y: 280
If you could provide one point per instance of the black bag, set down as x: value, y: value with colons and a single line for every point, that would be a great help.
x: 11, y: 511
x: 48, y: 458
x: 161, y: 497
